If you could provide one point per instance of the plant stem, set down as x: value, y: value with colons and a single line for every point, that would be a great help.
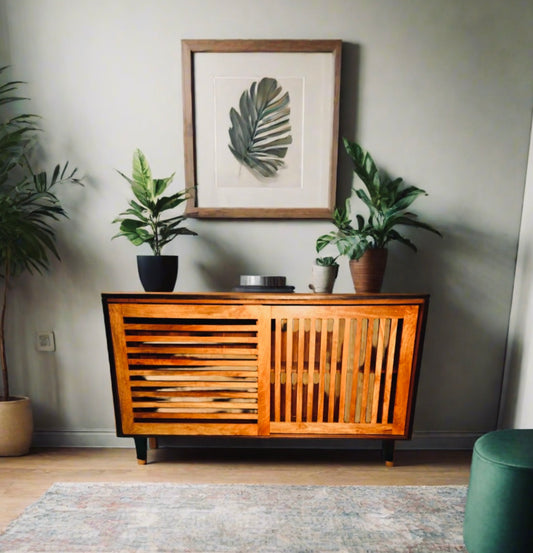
x: 155, y: 230
x: 3, y: 358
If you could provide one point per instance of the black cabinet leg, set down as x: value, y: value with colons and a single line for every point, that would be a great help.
x: 141, y: 447
x: 388, y: 452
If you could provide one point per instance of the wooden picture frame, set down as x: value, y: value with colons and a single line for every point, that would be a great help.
x: 261, y: 122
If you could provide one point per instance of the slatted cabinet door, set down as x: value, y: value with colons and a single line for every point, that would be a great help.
x: 343, y: 369
x: 182, y: 369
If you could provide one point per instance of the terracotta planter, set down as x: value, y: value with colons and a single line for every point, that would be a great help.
x: 16, y: 427
x: 367, y: 272
x: 158, y: 273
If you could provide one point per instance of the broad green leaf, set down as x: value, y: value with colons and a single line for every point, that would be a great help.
x: 142, y: 174
x: 169, y: 202
x: 160, y: 185
x: 130, y: 225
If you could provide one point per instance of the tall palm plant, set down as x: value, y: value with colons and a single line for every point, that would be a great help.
x: 28, y: 204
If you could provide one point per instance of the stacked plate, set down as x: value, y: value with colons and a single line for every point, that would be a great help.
x: 259, y: 283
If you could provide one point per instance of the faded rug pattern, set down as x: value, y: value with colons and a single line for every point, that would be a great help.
x: 155, y: 518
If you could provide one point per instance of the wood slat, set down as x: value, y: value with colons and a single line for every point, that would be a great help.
x: 177, y: 328
x: 188, y: 362
x: 216, y: 405
x: 312, y: 353
x: 367, y: 367
x: 225, y: 373
x: 202, y: 416
x: 355, y: 369
x: 192, y: 393
x: 277, y: 370
x: 333, y: 369
x: 164, y: 349
x: 378, y: 369
x: 300, y: 372
x: 288, y: 370
x: 389, y: 370
x: 322, y: 369
x: 173, y: 339
x: 344, y: 369
x: 191, y: 384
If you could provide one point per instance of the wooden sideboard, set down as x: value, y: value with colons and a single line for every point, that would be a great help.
x: 264, y: 365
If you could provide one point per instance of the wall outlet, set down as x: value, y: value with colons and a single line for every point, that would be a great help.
x: 45, y: 341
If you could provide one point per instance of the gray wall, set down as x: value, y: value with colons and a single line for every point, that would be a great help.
x: 439, y: 91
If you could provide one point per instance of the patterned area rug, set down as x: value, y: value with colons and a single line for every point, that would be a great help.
x: 150, y: 518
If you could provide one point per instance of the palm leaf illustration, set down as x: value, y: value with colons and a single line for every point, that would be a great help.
x: 259, y: 131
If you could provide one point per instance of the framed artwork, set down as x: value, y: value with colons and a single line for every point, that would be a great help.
x: 261, y: 124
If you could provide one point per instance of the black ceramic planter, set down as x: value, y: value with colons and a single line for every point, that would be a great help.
x: 158, y: 273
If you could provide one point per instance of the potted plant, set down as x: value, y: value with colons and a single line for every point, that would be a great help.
x: 323, y: 274
x: 365, y: 243
x: 142, y: 223
x: 28, y: 209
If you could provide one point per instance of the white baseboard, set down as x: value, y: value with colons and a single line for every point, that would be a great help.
x: 108, y: 438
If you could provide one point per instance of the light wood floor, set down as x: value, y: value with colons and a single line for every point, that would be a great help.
x: 24, y: 479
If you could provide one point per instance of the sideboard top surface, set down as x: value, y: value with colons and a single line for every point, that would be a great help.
x: 264, y: 299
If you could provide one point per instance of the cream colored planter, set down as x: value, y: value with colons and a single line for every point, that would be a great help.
x: 16, y: 427
x: 323, y: 277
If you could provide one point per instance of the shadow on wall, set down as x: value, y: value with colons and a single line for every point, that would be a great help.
x: 469, y: 275
x: 515, y: 347
x: 83, y: 264
x: 222, y: 271
x: 514, y: 357
x: 349, y: 103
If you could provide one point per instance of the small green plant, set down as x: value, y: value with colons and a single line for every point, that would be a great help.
x: 142, y: 222
x: 387, y: 201
x: 327, y: 261
x: 29, y: 205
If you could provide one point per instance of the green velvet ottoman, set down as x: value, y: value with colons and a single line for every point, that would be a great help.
x: 499, y: 503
